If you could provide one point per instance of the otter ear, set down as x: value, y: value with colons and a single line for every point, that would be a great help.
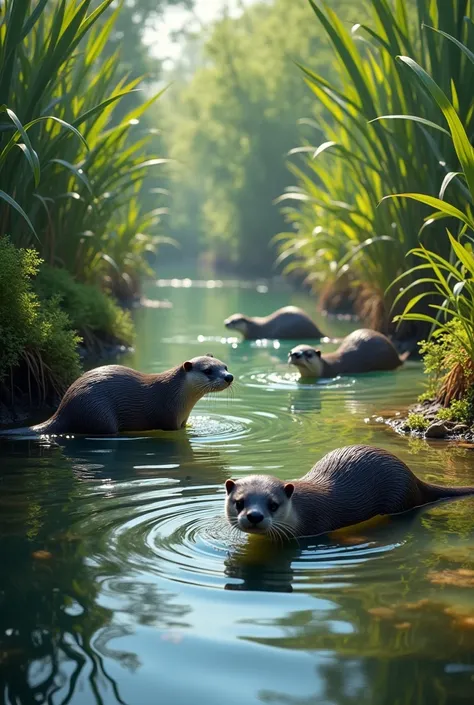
x: 318, y: 353
x: 289, y: 489
x: 229, y: 486
x: 209, y: 355
x: 188, y: 366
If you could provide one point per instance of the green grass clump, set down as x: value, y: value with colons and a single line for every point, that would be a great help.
x: 76, y: 160
x: 96, y: 316
x: 417, y: 422
x: 382, y: 133
x: 461, y: 410
x: 35, y: 336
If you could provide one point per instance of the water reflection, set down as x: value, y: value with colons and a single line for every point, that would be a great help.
x: 121, y: 582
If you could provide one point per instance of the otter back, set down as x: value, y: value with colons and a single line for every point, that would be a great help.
x: 363, y: 350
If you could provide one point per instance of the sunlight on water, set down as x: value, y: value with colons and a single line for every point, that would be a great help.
x: 122, y: 582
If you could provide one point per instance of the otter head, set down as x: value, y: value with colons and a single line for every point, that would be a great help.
x: 307, y: 360
x: 238, y: 322
x: 260, y: 504
x: 206, y: 374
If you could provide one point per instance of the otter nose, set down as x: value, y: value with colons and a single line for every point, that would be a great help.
x: 254, y: 516
x: 229, y: 378
x: 296, y: 355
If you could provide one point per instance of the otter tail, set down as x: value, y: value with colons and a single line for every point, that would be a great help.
x: 404, y: 356
x: 46, y: 427
x: 22, y: 431
x: 433, y: 493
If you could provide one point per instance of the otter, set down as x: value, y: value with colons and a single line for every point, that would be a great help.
x: 113, y: 398
x: 288, y: 323
x: 363, y: 350
x: 347, y: 486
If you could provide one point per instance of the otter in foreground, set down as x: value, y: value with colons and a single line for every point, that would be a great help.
x: 111, y: 399
x: 288, y: 323
x: 363, y: 350
x: 347, y: 486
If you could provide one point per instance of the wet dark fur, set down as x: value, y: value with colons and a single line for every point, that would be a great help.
x: 113, y: 398
x: 288, y: 323
x: 354, y: 484
x: 363, y: 350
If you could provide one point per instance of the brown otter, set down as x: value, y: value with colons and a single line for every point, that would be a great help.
x: 347, y: 486
x: 111, y: 399
x: 288, y: 323
x: 363, y: 350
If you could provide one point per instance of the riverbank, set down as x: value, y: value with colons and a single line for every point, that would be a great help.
x: 424, y: 420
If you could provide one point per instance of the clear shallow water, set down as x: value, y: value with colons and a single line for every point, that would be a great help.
x: 120, y: 582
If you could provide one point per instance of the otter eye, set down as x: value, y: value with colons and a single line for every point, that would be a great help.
x: 273, y: 506
x: 309, y: 353
x: 225, y: 368
x: 208, y: 371
x: 239, y: 505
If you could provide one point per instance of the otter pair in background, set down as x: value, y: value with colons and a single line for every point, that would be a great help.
x: 363, y: 350
x: 347, y: 486
x: 113, y: 399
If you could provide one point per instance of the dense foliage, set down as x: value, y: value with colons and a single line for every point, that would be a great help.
x: 449, y: 282
x: 230, y: 123
x: 39, y: 347
x: 339, y: 228
x: 68, y: 171
x: 94, y: 314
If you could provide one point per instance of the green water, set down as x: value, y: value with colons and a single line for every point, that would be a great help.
x: 121, y: 583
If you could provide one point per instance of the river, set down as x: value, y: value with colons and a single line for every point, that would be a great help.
x: 121, y: 582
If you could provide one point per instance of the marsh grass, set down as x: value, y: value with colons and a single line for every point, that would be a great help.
x: 71, y: 176
x: 376, y: 134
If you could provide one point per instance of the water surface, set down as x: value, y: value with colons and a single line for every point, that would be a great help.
x: 121, y: 583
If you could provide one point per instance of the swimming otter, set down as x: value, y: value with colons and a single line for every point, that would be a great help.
x: 288, y: 323
x: 347, y: 486
x: 112, y: 398
x: 363, y: 350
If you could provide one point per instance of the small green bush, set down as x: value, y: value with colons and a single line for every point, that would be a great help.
x: 92, y: 313
x: 461, y: 410
x: 35, y: 336
x: 417, y: 422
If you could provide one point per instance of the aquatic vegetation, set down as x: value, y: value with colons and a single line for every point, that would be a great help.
x: 381, y: 135
x: 71, y: 173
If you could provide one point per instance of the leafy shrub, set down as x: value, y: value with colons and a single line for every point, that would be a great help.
x: 461, y: 410
x: 417, y: 422
x: 35, y: 336
x: 92, y: 313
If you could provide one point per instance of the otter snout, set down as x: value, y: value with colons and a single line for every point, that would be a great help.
x: 255, y: 517
x: 294, y: 355
x: 254, y: 521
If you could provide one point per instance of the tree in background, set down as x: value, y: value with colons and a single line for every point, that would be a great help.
x: 230, y: 124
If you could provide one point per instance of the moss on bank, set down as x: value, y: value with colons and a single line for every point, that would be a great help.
x: 38, y: 352
x: 44, y: 316
x: 97, y: 317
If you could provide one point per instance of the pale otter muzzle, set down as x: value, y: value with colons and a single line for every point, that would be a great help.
x: 254, y: 522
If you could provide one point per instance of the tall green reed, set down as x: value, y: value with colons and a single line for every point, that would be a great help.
x: 339, y: 227
x: 68, y: 172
